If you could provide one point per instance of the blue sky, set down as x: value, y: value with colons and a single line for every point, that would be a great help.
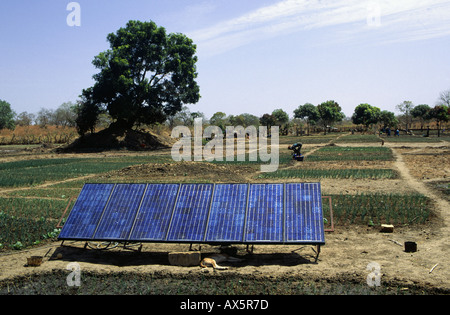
x: 254, y: 55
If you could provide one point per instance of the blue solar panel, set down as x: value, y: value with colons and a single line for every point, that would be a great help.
x: 86, y: 212
x: 227, y: 216
x: 153, y: 219
x: 265, y: 213
x: 120, y: 213
x: 203, y: 213
x: 304, y: 218
x: 191, y: 212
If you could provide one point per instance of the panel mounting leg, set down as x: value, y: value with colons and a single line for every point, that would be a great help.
x: 250, y: 251
x: 317, y: 253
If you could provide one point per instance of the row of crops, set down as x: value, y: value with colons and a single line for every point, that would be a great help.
x: 376, y: 209
x: 339, y: 154
x: 33, y: 172
x: 26, y: 222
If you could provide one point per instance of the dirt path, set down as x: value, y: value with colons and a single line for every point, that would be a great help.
x: 47, y: 184
x: 441, y: 246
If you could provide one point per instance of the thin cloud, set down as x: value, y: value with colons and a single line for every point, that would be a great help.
x: 393, y: 21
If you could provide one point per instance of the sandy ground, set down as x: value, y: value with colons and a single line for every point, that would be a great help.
x: 346, y: 255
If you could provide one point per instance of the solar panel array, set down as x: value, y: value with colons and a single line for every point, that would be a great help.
x: 198, y: 213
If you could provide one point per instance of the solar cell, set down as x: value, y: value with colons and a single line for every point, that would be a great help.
x: 119, y: 215
x: 190, y: 215
x: 85, y: 215
x: 304, y: 218
x: 153, y: 218
x: 265, y: 213
x: 227, y: 216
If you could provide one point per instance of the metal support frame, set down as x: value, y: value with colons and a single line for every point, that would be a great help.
x: 317, y: 253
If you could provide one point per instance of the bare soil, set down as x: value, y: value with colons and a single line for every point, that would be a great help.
x: 347, y: 252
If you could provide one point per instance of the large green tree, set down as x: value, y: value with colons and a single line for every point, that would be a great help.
x: 7, y: 116
x: 329, y: 113
x: 440, y: 113
x: 422, y: 112
x: 268, y: 120
x: 145, y: 76
x: 406, y: 108
x: 282, y: 119
x: 366, y: 114
x: 387, y: 119
x: 307, y: 112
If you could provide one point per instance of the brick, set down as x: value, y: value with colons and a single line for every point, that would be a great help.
x: 387, y: 228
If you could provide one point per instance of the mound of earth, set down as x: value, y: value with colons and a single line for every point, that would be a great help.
x: 118, y: 139
x: 185, y: 170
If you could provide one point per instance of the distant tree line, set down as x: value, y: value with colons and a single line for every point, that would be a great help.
x: 64, y: 116
x: 323, y: 116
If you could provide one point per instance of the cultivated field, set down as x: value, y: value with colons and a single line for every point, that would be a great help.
x: 404, y: 181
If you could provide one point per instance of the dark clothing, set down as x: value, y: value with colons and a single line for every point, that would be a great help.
x: 296, y: 147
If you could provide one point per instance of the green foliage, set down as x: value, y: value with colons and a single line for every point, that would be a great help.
x: 440, y: 113
x: 6, y: 116
x: 377, y: 209
x: 359, y: 139
x: 18, y: 232
x: 387, y: 119
x: 268, y: 120
x: 352, y: 154
x: 281, y: 116
x: 145, y: 76
x: 88, y: 113
x: 366, y: 115
x: 421, y: 111
x: 308, y: 112
x: 332, y: 173
x: 32, y: 172
x: 330, y: 112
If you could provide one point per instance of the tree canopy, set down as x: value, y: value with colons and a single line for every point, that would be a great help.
x: 6, y: 116
x: 387, y: 119
x: 422, y: 112
x: 329, y: 113
x: 145, y: 76
x: 308, y: 112
x: 366, y: 114
x: 440, y: 113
